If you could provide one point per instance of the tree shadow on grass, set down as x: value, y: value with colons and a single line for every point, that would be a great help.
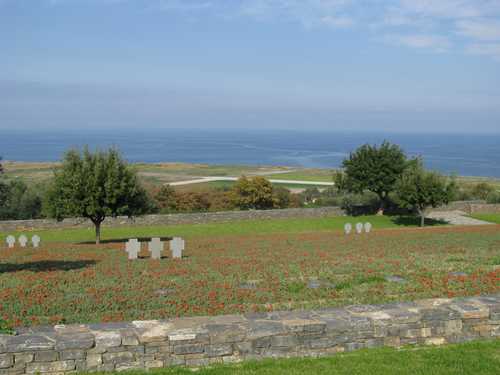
x: 124, y: 240
x: 414, y: 221
x: 46, y: 266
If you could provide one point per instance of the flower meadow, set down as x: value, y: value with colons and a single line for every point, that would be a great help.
x: 70, y: 283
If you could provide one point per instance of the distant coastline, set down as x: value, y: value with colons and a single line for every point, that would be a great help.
x: 464, y: 155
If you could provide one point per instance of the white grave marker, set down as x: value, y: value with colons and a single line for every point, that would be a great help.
x: 133, y: 247
x: 23, y: 240
x: 359, y: 228
x: 347, y: 228
x: 11, y: 241
x: 368, y: 227
x: 155, y: 247
x: 177, y: 246
x: 35, y: 240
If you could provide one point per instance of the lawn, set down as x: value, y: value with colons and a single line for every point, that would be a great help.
x: 242, y: 267
x: 492, y: 218
x: 465, y: 359
x: 246, y: 227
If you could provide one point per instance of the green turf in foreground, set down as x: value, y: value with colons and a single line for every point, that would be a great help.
x: 247, y: 227
x: 471, y: 358
x: 492, y: 218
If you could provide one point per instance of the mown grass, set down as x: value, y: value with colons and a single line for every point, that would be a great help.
x: 247, y: 227
x: 492, y: 218
x: 464, y: 359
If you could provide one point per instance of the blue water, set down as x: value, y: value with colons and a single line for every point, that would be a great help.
x: 470, y: 155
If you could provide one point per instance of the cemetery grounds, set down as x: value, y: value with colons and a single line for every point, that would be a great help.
x: 242, y: 267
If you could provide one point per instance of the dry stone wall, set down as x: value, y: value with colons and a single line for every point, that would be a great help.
x: 173, y: 219
x: 202, y: 341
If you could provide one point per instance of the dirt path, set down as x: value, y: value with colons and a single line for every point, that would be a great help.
x: 456, y: 218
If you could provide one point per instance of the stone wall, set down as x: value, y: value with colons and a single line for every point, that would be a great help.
x: 224, y: 339
x: 173, y: 219
x: 485, y: 209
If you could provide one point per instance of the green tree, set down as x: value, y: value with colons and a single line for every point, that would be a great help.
x: 282, y: 197
x: 482, y: 190
x: 20, y: 202
x: 166, y: 199
x: 95, y: 186
x: 3, y: 187
x: 375, y: 169
x: 253, y: 193
x: 418, y: 189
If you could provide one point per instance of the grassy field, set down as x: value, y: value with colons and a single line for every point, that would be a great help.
x: 236, y: 228
x: 465, y: 359
x: 242, y: 267
x: 492, y: 218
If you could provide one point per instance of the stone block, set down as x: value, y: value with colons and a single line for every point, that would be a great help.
x: 72, y: 354
x: 23, y: 358
x: 107, y: 339
x: 94, y: 360
x: 283, y: 341
x: 28, y: 342
x: 46, y: 356
x: 58, y: 366
x: 153, y: 364
x: 189, y: 349
x: 6, y: 360
x: 435, y: 341
x: 219, y: 350
x: 75, y: 341
x: 118, y: 358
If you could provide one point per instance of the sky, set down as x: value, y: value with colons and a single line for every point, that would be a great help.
x: 361, y: 65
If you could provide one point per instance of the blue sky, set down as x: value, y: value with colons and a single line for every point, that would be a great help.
x: 398, y: 65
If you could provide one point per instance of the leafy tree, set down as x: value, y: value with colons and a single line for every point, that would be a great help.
x: 482, y: 190
x: 419, y: 189
x: 282, y: 197
x: 4, y: 191
x: 21, y: 202
x: 375, y: 169
x: 253, y: 193
x: 166, y: 199
x: 191, y: 201
x: 95, y: 186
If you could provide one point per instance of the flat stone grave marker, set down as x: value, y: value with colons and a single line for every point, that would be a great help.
x: 11, y: 241
x: 318, y: 283
x: 368, y: 227
x: 395, y: 279
x: 133, y: 247
x: 155, y: 247
x: 348, y: 228
x: 23, y: 240
x: 359, y: 228
x: 35, y: 240
x: 177, y: 246
x: 249, y: 285
x: 458, y: 274
x: 164, y: 292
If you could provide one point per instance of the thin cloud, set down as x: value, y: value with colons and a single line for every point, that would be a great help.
x: 490, y: 50
x: 436, y: 43
x: 488, y: 30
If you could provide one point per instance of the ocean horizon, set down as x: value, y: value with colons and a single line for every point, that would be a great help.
x: 461, y: 154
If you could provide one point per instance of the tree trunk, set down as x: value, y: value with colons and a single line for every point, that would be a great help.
x: 422, y: 218
x: 97, y: 232
x: 381, y: 208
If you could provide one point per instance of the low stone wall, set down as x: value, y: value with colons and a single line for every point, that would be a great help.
x: 173, y: 219
x: 484, y: 209
x: 202, y: 341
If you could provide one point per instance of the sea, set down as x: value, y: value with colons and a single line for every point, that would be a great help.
x: 460, y: 154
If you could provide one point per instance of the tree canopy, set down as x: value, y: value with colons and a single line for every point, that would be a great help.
x: 373, y: 168
x: 253, y: 193
x: 95, y: 186
x: 418, y: 189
